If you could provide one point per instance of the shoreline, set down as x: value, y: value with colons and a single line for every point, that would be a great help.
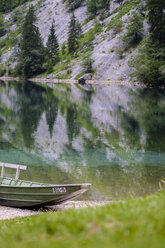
x: 72, y: 81
x: 11, y: 213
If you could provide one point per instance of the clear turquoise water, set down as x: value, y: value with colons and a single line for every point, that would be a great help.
x: 110, y: 136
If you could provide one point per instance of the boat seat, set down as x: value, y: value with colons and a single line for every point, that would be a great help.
x: 13, y: 166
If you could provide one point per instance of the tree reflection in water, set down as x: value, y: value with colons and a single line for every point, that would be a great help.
x: 112, y: 136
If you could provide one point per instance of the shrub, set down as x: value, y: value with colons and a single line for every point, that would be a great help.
x: 134, y: 29
x: 73, y: 4
x: 149, y: 63
x: 87, y: 64
x: 118, y: 26
x: 120, y: 53
x: 2, y: 70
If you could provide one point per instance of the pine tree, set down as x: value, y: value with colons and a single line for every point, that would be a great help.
x: 149, y: 63
x: 156, y: 17
x: 87, y: 64
x: 73, y: 4
x: 92, y: 7
x: 9, y: 5
x: 134, y: 29
x: 31, y: 56
x: 2, y: 26
x: 2, y: 6
x: 51, y: 110
x: 52, y: 45
x: 104, y: 4
x: 74, y: 34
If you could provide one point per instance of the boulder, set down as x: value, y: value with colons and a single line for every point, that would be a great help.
x: 84, y: 78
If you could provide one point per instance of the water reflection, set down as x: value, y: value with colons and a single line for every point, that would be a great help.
x: 111, y: 136
x: 73, y: 127
x: 51, y: 102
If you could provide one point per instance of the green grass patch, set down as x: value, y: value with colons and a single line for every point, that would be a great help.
x: 132, y: 223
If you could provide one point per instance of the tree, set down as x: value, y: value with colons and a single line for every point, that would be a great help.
x: 150, y: 60
x: 156, y: 18
x: 3, y: 7
x: 149, y: 63
x: 118, y: 26
x: 74, y: 34
x: 31, y: 54
x: 51, y: 109
x: 9, y: 5
x: 52, y: 45
x: 87, y: 64
x: 104, y: 4
x: 73, y: 126
x: 134, y: 29
x: 92, y: 7
x: 63, y: 48
x: 73, y: 4
x: 2, y: 26
x: 119, y: 1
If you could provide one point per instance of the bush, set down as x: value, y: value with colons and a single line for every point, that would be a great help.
x: 49, y: 66
x: 120, y: 53
x: 118, y: 26
x: 162, y: 72
x: 149, y: 63
x: 134, y: 29
x: 2, y: 70
x: 63, y: 49
x: 103, y: 15
x: 87, y: 64
x: 73, y: 4
x: 2, y: 26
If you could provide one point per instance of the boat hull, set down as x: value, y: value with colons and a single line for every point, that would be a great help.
x: 39, y: 194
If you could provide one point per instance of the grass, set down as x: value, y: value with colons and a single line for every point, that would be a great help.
x: 132, y: 223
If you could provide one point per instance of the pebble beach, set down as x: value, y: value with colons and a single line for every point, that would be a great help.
x: 10, y: 213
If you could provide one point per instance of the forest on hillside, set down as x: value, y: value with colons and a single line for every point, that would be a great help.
x: 8, y: 5
x: 34, y: 58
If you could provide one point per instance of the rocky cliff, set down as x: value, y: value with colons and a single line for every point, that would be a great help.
x: 106, y: 48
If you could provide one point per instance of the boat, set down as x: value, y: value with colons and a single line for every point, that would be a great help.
x: 27, y: 194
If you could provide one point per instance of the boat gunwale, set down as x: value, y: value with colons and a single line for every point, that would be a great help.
x: 43, y: 185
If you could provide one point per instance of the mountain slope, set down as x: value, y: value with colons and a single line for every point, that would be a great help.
x: 101, y: 42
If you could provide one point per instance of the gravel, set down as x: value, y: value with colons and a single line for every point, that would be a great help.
x: 10, y: 213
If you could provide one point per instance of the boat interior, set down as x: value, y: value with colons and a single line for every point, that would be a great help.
x: 12, y: 182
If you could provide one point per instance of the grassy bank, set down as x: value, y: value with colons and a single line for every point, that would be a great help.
x: 131, y: 223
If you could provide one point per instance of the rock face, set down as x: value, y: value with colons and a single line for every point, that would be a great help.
x: 107, y: 64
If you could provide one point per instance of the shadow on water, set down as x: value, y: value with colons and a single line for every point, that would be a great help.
x: 112, y: 136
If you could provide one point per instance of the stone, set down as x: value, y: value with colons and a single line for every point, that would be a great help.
x: 84, y: 78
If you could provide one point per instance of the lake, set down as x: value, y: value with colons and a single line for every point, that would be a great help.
x: 110, y: 136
